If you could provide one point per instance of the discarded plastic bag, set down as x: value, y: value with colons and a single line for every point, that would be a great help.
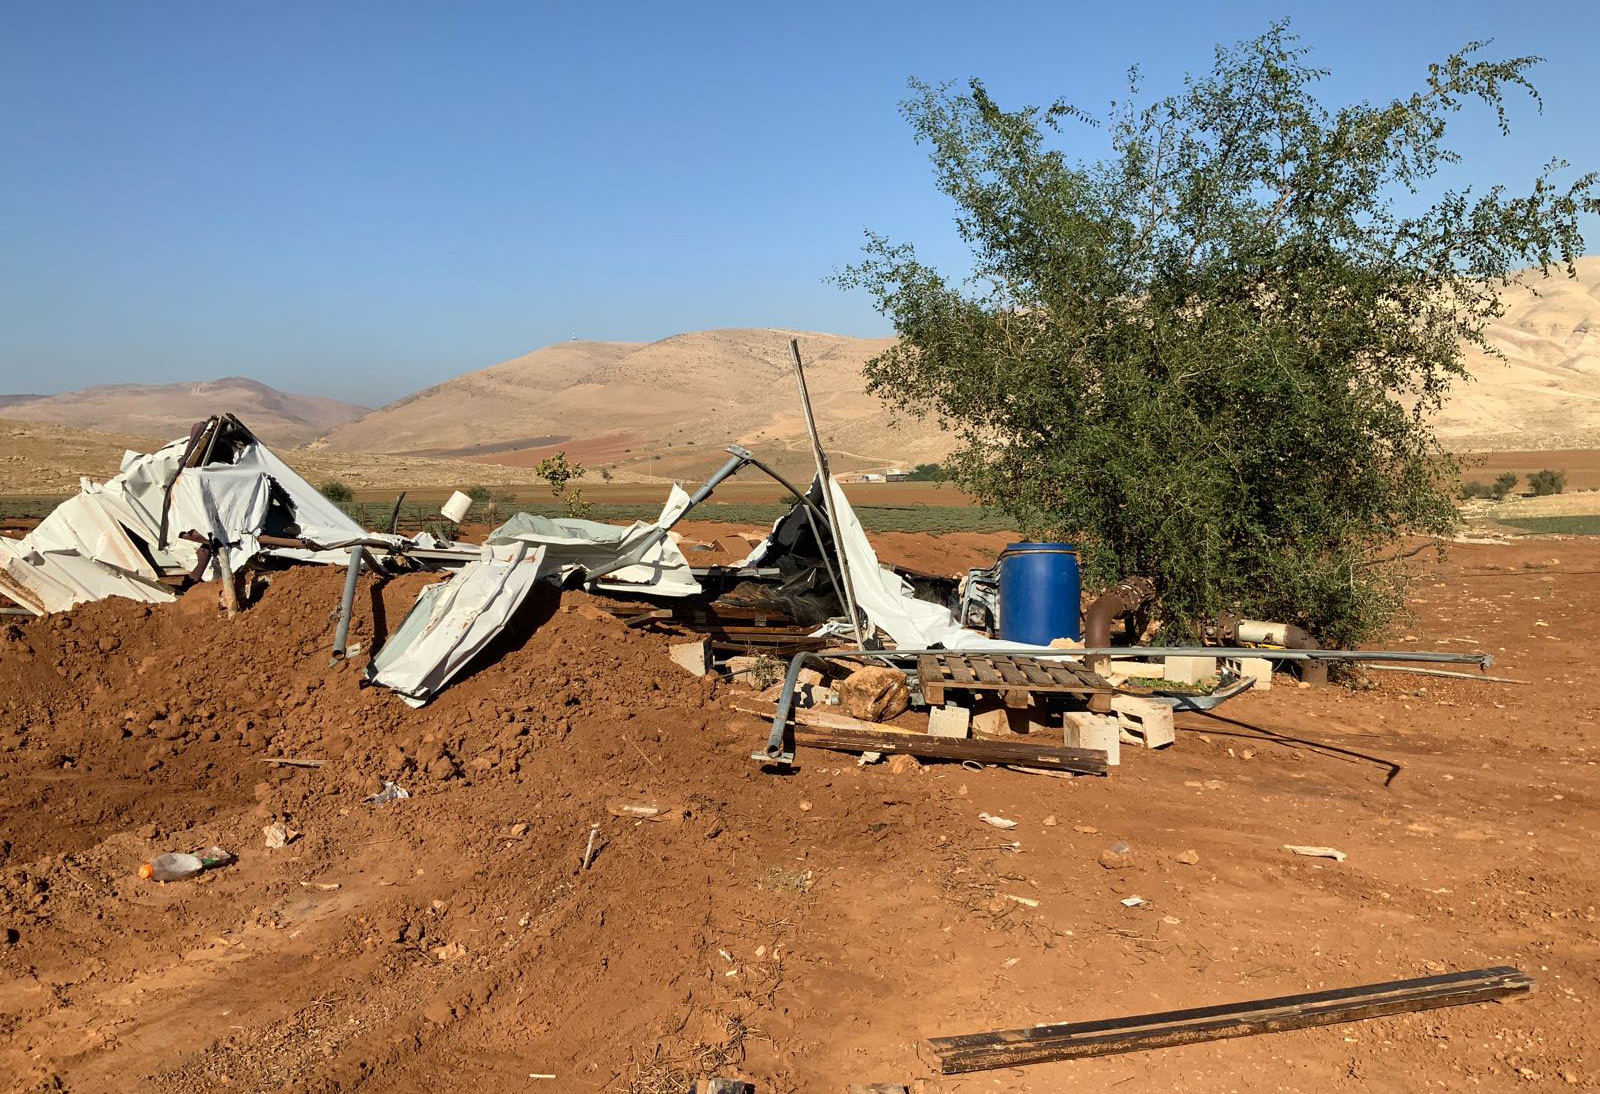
x: 389, y: 793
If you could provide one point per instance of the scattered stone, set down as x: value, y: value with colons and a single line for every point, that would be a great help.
x: 1050, y: 821
x: 874, y: 694
x: 1190, y: 857
x: 1115, y: 860
x: 998, y: 822
x: 805, y: 807
x: 902, y: 764
x: 278, y: 835
x: 519, y: 830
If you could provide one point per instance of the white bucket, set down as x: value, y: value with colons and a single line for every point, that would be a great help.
x: 456, y: 508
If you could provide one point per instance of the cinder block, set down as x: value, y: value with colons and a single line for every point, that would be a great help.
x: 1258, y: 669
x: 1096, y: 731
x: 1146, y: 721
x: 949, y: 721
x: 1189, y: 670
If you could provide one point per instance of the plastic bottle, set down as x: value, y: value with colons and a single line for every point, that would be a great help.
x: 172, y: 866
x: 178, y: 866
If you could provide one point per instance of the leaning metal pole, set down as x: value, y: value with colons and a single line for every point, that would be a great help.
x: 827, y: 492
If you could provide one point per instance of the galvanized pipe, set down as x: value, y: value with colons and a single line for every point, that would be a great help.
x: 776, y: 753
x: 827, y: 492
x: 347, y: 605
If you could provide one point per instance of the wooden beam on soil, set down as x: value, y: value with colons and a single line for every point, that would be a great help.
x: 1019, y: 753
x: 1072, y: 1040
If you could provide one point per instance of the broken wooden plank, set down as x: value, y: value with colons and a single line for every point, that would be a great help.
x: 1073, y: 1040
x: 979, y: 750
x: 931, y: 678
x: 822, y: 719
x: 290, y: 761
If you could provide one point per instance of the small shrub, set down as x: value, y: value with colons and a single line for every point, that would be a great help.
x: 337, y: 492
x: 1547, y: 482
x: 1504, y: 485
x: 1475, y: 490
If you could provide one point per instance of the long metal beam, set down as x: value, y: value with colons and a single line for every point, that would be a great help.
x: 777, y: 753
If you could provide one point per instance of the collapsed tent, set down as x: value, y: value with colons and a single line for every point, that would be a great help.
x: 456, y: 618
x: 195, y: 508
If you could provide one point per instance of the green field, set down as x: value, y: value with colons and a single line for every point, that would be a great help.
x: 417, y: 516
x: 1584, y: 524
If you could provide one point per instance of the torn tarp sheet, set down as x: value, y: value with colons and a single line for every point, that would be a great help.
x: 570, y: 542
x: 887, y: 601
x: 52, y: 581
x: 96, y: 544
x: 454, y: 619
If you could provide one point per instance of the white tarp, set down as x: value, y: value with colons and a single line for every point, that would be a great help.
x: 102, y: 541
x: 887, y: 601
x: 568, y: 542
x: 454, y: 619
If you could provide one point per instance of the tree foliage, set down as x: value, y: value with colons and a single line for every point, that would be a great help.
x: 1211, y: 355
x: 1547, y: 482
x: 561, y: 473
x: 336, y: 492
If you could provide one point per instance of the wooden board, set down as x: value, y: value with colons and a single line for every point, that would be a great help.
x: 1019, y: 753
x: 1071, y: 1040
x: 1014, y: 677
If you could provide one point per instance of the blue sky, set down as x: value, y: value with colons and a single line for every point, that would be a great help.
x: 361, y: 199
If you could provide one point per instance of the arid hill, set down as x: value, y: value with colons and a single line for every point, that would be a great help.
x: 167, y: 410
x: 662, y: 408
x: 1546, y: 392
x: 666, y: 407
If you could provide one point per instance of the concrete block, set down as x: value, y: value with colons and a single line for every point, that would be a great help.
x: 998, y: 721
x: 1096, y: 731
x: 949, y: 721
x: 695, y: 657
x: 1122, y: 668
x: 1258, y: 669
x: 1146, y: 721
x: 1189, y: 670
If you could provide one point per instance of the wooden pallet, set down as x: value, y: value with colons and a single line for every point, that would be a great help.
x: 1015, y: 678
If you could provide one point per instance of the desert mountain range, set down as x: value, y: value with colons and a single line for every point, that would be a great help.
x: 665, y: 409
x: 167, y: 410
x: 659, y: 407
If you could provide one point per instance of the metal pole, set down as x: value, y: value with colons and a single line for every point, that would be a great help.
x: 347, y: 605
x: 779, y: 751
x: 827, y: 491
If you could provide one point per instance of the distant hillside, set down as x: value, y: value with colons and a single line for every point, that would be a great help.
x: 167, y: 410
x: 1546, y: 393
x: 664, y: 408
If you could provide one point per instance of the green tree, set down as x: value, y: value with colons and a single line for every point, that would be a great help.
x: 1503, y: 485
x: 1547, y: 482
x: 561, y: 473
x: 1210, y: 354
x: 337, y: 492
x: 926, y: 472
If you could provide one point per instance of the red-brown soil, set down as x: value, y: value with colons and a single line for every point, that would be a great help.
x: 804, y: 931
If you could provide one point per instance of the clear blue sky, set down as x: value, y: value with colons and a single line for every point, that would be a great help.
x: 362, y: 198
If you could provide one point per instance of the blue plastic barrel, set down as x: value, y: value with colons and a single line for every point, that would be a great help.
x: 1039, y: 590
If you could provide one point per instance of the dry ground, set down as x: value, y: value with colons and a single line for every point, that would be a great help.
x: 805, y: 931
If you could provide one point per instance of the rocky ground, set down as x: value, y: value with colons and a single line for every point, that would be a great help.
x: 805, y: 931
